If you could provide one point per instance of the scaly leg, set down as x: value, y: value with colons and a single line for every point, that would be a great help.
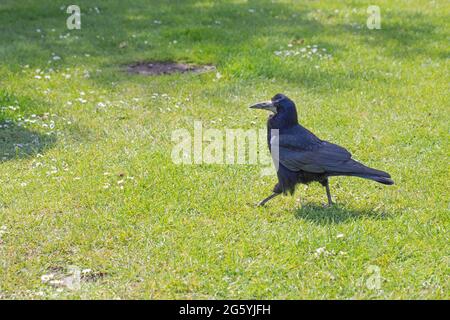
x: 263, y: 202
x: 327, y: 187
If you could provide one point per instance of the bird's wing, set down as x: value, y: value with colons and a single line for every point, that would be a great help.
x: 318, y: 157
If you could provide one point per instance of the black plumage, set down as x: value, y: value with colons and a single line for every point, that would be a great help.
x: 301, y: 157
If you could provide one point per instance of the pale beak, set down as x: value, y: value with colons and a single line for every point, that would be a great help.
x: 266, y: 105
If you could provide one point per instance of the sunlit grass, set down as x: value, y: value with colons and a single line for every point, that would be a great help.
x: 87, y: 178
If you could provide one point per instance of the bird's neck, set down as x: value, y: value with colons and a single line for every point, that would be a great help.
x: 282, y: 121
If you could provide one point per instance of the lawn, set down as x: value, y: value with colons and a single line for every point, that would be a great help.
x: 87, y: 178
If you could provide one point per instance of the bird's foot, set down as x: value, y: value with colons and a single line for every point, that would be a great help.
x: 328, y: 205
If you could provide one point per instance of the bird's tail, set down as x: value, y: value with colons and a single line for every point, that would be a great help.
x: 383, y: 180
x: 356, y: 169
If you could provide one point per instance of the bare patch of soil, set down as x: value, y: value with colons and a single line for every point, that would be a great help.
x: 160, y: 68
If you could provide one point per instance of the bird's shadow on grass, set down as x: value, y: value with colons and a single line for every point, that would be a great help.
x: 17, y: 142
x: 337, y: 214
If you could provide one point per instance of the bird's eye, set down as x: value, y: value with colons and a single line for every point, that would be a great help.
x: 278, y: 97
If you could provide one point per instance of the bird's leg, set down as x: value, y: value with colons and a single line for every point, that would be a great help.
x: 327, y: 187
x: 263, y: 202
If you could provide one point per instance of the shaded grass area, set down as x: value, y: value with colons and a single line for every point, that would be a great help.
x: 93, y: 185
x: 16, y: 140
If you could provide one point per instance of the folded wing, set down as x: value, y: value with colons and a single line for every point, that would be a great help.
x: 318, y: 157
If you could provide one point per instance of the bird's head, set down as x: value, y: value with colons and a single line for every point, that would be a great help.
x: 283, y: 108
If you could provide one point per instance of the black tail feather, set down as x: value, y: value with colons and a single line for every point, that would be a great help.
x: 357, y: 169
x: 383, y: 180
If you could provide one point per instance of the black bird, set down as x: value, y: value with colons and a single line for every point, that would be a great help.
x: 301, y: 157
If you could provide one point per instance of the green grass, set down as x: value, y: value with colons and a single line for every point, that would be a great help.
x: 94, y: 186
